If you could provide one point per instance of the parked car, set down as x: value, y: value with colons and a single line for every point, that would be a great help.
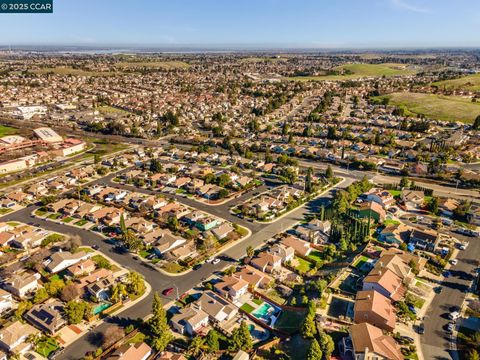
x: 421, y: 329
x: 95, y: 247
x: 406, y: 340
x: 450, y: 327
x: 216, y: 261
x: 168, y: 291
x: 454, y: 315
x: 454, y: 261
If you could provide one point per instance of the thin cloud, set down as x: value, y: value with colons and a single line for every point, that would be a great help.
x: 400, y: 4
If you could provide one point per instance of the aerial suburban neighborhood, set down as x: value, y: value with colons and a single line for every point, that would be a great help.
x: 264, y: 202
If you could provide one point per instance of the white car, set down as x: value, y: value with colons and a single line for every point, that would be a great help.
x: 216, y: 261
x: 450, y: 327
x: 454, y: 261
x: 209, y: 260
x: 454, y: 315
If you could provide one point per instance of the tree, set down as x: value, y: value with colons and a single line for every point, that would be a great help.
x: 250, y: 251
x: 433, y: 205
x: 96, y: 158
x: 308, y: 181
x: 22, y: 307
x: 241, y: 338
x: 156, y: 166
x: 473, y: 354
x: 131, y: 241
x: 196, y: 346
x: 404, y: 182
x: 111, y: 335
x: 76, y: 311
x: 135, y: 285
x: 73, y: 243
x: 326, y: 343
x: 119, y: 291
x: 54, y: 287
x: 329, y: 173
x: 476, y: 123
x: 40, y: 296
x: 309, y: 328
x: 158, y: 325
x: 212, y: 341
x: 314, y: 351
x: 69, y: 293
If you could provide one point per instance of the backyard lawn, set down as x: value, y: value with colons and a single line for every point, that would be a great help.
x: 247, y: 308
x: 7, y: 130
x: 315, y: 256
x: 290, y: 321
x: 304, y: 266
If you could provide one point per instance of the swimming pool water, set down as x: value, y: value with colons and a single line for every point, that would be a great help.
x: 263, y: 312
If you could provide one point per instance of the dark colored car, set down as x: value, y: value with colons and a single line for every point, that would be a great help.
x: 197, y: 266
x: 95, y: 247
x: 167, y: 292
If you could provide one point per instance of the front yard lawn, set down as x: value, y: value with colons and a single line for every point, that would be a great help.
x: 46, y: 346
x: 67, y: 220
x: 173, y: 268
x: 81, y: 222
x: 54, y: 216
x: 137, y: 338
x: 4, y: 211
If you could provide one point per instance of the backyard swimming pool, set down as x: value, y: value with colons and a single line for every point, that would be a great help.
x: 99, y: 308
x: 264, y: 312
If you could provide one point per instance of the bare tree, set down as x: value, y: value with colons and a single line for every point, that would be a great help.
x: 69, y: 293
x: 73, y: 243
x: 111, y: 335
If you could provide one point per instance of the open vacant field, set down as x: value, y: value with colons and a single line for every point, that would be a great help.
x: 469, y: 82
x: 362, y: 70
x: 166, y: 65
x: 448, y: 108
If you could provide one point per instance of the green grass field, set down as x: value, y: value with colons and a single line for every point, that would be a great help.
x: 361, y: 70
x: 469, y: 82
x: 447, y: 108
x: 166, y: 65
x: 7, y: 130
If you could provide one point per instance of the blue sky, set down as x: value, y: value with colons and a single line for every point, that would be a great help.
x: 262, y: 23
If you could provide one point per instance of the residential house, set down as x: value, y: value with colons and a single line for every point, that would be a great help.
x: 369, y: 343
x: 13, y: 337
x: 374, y: 308
x: 167, y: 241
x: 425, y: 239
x: 255, y: 278
x: 61, y: 260
x: 222, y: 231
x: 301, y: 247
x: 6, y: 301
x: 84, y: 267
x: 394, y: 234
x: 190, y: 320
x: 231, y: 287
x: 217, y: 308
x: 373, y: 210
x: 21, y: 284
x: 448, y: 206
x: 101, y: 288
x: 412, y: 199
x: 386, y: 282
x: 382, y: 197
x: 266, y: 262
x: 47, y: 317
x: 132, y: 351
x: 286, y: 253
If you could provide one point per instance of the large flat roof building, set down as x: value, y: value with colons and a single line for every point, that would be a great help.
x: 48, y: 135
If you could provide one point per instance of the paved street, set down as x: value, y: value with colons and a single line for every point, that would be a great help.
x: 436, y: 343
x: 158, y: 280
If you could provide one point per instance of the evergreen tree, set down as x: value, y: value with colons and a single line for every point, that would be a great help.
x: 314, y: 351
x: 212, y: 341
x: 158, y: 325
x: 404, y: 182
x: 326, y: 343
x: 308, y: 181
x: 329, y: 173
x: 241, y: 338
x: 476, y: 123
